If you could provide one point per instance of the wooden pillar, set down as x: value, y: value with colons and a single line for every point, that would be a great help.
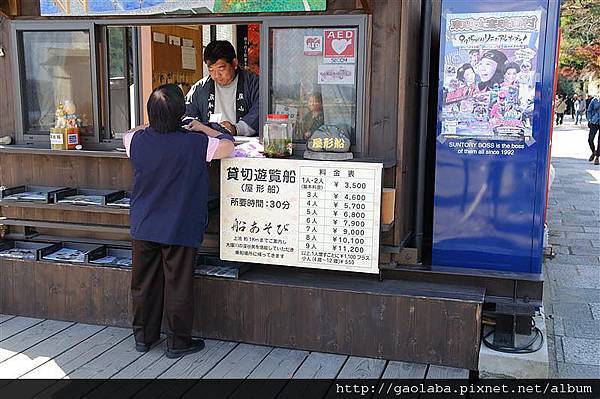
x: 146, y: 67
x: 7, y: 113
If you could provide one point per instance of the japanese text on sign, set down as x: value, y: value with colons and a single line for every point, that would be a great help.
x: 301, y: 213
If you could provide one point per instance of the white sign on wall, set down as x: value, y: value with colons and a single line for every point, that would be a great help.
x: 315, y: 214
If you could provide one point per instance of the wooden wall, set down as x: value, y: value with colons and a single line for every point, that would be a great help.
x: 7, y: 119
x: 167, y: 58
x: 310, y: 310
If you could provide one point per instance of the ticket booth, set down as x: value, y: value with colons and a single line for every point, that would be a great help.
x: 306, y: 254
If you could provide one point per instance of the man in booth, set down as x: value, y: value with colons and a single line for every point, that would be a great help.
x: 228, y: 96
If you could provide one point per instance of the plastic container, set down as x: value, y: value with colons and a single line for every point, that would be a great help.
x: 277, y: 137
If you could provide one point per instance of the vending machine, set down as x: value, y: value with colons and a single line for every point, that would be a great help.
x: 497, y: 69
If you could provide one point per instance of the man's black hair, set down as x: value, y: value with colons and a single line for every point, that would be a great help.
x: 473, y: 51
x: 219, y: 50
x: 166, y: 106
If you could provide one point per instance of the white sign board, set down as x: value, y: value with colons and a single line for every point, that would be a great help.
x: 315, y: 214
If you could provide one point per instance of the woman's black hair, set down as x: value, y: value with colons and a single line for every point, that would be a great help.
x: 512, y: 65
x: 219, y: 50
x: 460, y: 73
x: 166, y: 106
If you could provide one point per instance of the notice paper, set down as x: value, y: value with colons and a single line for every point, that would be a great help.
x: 188, y: 58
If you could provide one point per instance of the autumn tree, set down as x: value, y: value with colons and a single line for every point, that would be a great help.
x: 580, y: 42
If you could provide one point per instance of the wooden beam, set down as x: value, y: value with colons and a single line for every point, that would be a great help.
x: 13, y: 8
x: 146, y: 72
x: 366, y: 5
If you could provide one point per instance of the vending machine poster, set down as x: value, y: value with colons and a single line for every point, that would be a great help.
x: 489, y: 77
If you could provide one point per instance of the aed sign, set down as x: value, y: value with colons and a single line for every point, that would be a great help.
x: 340, y: 46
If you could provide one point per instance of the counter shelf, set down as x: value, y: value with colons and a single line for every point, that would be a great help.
x: 36, y: 248
x: 213, y: 266
x: 122, y: 201
x: 100, y: 258
x: 87, y: 196
x: 72, y: 252
x: 26, y: 193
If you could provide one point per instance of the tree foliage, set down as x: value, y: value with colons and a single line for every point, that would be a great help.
x: 580, y: 42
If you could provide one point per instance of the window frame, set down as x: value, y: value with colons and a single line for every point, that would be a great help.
x: 98, y: 50
x: 17, y: 29
x: 333, y: 21
x: 105, y: 138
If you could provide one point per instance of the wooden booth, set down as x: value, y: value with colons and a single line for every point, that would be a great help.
x: 108, y: 65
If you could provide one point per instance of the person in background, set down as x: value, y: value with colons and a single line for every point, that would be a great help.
x: 167, y: 218
x: 593, y: 118
x: 570, y: 108
x: 579, y: 109
x: 314, y: 118
x: 229, y: 95
x: 588, y: 100
x: 560, y: 108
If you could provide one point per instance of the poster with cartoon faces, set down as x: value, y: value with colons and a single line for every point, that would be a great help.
x: 489, y: 76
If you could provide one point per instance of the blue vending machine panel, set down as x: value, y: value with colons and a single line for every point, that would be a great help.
x: 497, y: 62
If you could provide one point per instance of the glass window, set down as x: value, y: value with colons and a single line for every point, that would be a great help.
x: 122, y: 87
x: 56, y: 69
x: 313, y: 78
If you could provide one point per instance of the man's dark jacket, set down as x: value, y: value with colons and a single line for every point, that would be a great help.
x: 199, y: 101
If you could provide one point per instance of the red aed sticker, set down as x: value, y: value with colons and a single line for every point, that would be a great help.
x: 340, y: 46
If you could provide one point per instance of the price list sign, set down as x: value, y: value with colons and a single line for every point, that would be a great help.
x: 316, y: 214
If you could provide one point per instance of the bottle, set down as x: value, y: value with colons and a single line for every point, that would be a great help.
x: 277, y: 138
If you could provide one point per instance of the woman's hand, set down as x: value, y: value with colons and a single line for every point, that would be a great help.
x: 197, y: 126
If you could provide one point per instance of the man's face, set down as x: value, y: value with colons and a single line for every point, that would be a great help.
x: 474, y: 58
x: 487, y: 69
x: 221, y: 71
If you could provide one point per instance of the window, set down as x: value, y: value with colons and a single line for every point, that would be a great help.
x: 108, y: 70
x: 56, y: 68
x: 310, y: 84
x: 316, y: 75
x: 122, y: 87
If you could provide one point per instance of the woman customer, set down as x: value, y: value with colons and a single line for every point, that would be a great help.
x: 167, y: 217
x: 560, y: 108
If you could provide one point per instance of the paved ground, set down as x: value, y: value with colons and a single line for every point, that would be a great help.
x: 572, y: 292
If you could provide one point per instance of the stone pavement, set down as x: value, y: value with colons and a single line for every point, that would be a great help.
x: 572, y: 289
